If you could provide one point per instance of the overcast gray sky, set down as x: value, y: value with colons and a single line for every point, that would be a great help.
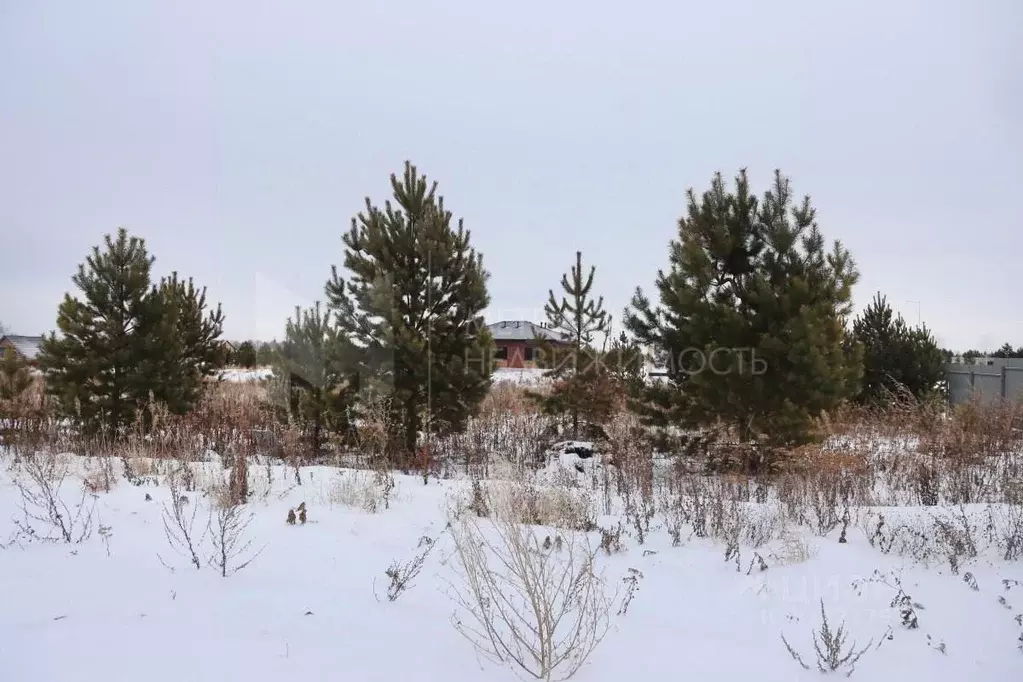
x: 240, y: 137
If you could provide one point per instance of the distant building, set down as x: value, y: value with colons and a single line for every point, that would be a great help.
x: 998, y: 363
x: 27, y: 347
x: 518, y: 342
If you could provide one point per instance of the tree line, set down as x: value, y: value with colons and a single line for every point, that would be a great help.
x: 752, y: 318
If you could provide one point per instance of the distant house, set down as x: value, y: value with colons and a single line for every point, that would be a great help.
x: 518, y: 342
x: 26, y: 347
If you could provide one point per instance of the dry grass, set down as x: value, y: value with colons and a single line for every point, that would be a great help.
x: 530, y: 504
x: 793, y: 547
x: 369, y: 491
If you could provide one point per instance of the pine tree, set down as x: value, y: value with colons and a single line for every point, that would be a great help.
x: 125, y: 341
x: 894, y: 354
x: 95, y: 370
x: 184, y: 346
x: 971, y: 356
x: 311, y: 378
x: 245, y: 355
x: 266, y: 353
x: 624, y: 360
x: 581, y: 318
x: 14, y: 375
x: 413, y: 305
x: 581, y: 388
x: 1007, y: 351
x: 752, y: 314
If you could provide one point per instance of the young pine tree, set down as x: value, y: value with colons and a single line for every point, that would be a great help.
x: 245, y: 355
x: 412, y: 306
x: 311, y: 380
x: 895, y: 354
x: 581, y: 389
x: 124, y: 341
x: 624, y: 361
x: 96, y: 370
x: 752, y: 315
x: 184, y: 346
x: 266, y: 354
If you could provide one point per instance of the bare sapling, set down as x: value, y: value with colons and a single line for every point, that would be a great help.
x: 227, y: 529
x: 41, y: 502
x: 178, y: 524
x: 542, y: 609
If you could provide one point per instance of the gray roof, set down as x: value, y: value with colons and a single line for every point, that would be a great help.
x: 521, y: 330
x: 27, y: 346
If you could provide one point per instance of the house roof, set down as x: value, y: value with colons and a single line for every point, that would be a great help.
x: 26, y: 346
x: 522, y: 330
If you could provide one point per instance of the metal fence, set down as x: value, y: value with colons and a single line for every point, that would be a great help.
x: 990, y: 383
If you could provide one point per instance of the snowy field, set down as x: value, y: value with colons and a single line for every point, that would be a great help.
x: 124, y: 604
x: 240, y: 374
x: 525, y: 376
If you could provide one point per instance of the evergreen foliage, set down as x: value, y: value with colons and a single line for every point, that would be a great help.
x: 14, y: 375
x: 580, y: 318
x: 412, y: 308
x: 185, y: 345
x: 125, y: 341
x: 970, y: 357
x: 895, y: 354
x: 266, y: 354
x: 624, y: 361
x: 310, y: 377
x: 751, y: 313
x: 581, y: 389
x: 244, y: 355
x: 1007, y: 351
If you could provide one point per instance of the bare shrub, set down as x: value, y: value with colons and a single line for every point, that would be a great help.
x: 674, y: 518
x: 401, y: 575
x: 902, y: 600
x: 830, y: 646
x: 639, y: 514
x: 479, y: 503
x: 1007, y: 525
x: 543, y: 610
x: 178, y: 525
x: 611, y: 539
x: 508, y: 428
x: 227, y: 530
x: 42, y: 503
x: 375, y: 438
x: 954, y: 534
x: 631, y: 587
x: 912, y: 537
x: 793, y: 548
x: 103, y: 478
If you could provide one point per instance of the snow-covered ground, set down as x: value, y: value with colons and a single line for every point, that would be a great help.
x: 242, y: 374
x: 123, y: 605
x: 526, y: 376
